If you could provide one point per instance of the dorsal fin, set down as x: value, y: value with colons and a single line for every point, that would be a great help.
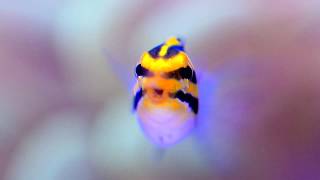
x: 171, y: 47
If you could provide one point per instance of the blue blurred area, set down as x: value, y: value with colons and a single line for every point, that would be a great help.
x: 65, y: 93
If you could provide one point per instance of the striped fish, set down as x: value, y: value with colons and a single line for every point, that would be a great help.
x: 166, y: 93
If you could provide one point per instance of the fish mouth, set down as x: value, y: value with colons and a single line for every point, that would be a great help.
x: 157, y: 95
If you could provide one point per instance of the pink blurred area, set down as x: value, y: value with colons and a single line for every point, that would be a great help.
x: 65, y: 104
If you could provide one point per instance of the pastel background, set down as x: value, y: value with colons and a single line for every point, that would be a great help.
x: 66, y: 71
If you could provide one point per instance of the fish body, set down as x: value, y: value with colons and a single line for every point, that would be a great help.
x: 166, y: 93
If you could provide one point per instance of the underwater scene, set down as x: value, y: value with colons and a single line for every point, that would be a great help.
x: 153, y: 90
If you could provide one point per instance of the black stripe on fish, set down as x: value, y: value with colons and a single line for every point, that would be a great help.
x: 173, y: 50
x: 154, y: 52
x: 137, y: 97
x: 182, y: 73
x: 188, y: 98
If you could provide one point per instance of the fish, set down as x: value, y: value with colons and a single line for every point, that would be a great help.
x: 166, y: 101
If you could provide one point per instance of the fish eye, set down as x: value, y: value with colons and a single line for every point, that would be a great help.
x: 141, y: 71
x: 186, y: 72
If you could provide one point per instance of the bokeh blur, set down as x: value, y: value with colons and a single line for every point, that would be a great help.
x: 66, y: 69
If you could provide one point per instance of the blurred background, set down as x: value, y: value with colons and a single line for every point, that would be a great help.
x: 66, y: 69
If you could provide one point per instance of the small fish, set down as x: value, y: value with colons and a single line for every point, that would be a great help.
x: 166, y: 93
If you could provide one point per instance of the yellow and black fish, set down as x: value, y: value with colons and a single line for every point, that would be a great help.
x: 166, y: 93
